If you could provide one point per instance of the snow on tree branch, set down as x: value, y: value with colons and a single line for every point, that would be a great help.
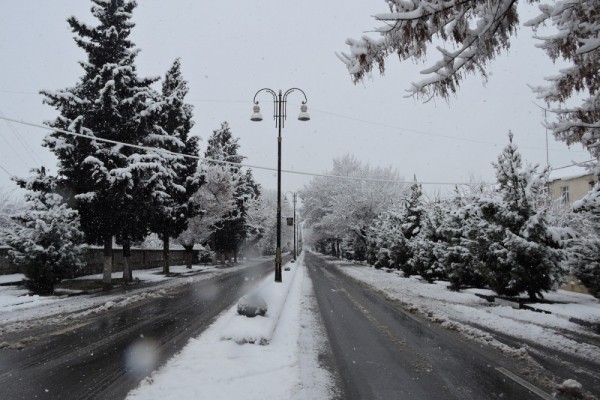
x: 479, y: 30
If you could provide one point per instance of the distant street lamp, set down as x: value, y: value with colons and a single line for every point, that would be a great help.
x: 294, y: 195
x: 279, y: 114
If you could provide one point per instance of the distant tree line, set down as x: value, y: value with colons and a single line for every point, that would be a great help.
x: 509, y: 237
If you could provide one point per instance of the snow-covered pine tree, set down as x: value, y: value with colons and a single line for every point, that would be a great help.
x: 222, y: 146
x: 460, y: 247
x: 247, y: 191
x: 523, y: 253
x: 385, y: 240
x: 45, y: 237
x: 411, y: 225
x: 426, y: 243
x: 583, y: 251
x: 174, y: 122
x: 583, y: 257
x: 107, y: 182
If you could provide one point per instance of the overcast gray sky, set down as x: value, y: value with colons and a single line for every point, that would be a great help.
x: 230, y: 49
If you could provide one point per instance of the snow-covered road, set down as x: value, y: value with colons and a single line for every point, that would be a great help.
x: 550, y: 343
x: 103, y: 351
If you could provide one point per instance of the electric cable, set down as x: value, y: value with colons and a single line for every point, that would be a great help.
x: 159, y: 150
x: 383, y: 125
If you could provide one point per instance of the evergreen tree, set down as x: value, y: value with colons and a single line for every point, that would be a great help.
x: 172, y: 212
x: 108, y: 184
x: 389, y: 236
x: 222, y: 146
x: 523, y: 254
x: 426, y: 244
x: 46, y: 237
x: 385, y: 240
x: 411, y: 229
x: 459, y: 250
x: 584, y: 260
x: 584, y: 250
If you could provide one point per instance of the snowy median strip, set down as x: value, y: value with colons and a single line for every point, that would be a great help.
x: 211, y: 368
x: 259, y: 329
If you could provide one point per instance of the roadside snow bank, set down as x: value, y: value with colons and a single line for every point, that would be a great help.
x: 20, y: 310
x: 473, y: 316
x: 259, y: 329
x: 211, y: 368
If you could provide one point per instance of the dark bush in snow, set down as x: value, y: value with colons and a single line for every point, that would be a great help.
x: 252, y: 305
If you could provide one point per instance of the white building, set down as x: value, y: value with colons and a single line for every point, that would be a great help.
x: 570, y: 184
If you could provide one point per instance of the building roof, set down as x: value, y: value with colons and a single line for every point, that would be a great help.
x: 571, y: 172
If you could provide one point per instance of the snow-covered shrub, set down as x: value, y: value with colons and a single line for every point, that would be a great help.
x: 47, y: 240
x: 252, y: 305
x: 206, y: 255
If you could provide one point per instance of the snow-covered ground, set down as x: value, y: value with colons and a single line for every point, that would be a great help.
x: 20, y: 310
x: 210, y: 367
x: 466, y: 312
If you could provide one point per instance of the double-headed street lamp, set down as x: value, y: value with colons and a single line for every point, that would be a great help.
x: 279, y: 114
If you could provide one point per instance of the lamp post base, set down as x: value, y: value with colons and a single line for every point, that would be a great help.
x: 278, y: 265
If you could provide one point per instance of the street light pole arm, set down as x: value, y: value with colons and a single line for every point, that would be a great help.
x: 265, y: 90
x: 285, y: 95
x: 275, y: 102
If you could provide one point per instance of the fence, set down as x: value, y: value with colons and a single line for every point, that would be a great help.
x: 94, y: 260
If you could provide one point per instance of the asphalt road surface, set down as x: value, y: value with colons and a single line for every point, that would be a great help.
x: 380, y: 351
x: 105, y: 356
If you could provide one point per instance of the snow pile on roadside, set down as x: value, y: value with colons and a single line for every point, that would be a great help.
x: 155, y: 274
x: 20, y: 310
x: 288, y: 368
x: 259, y: 329
x: 11, y: 278
x: 15, y: 298
x: 465, y: 312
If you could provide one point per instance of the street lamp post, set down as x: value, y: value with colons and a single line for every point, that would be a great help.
x: 279, y: 114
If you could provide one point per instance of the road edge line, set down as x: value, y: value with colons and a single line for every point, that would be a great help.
x: 524, y: 383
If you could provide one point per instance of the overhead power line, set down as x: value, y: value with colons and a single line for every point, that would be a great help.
x: 364, y: 121
x: 5, y: 170
x: 156, y: 149
x: 27, y: 147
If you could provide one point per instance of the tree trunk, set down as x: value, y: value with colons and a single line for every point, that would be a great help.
x: 235, y: 250
x: 127, y: 273
x: 189, y: 256
x: 166, y: 253
x: 107, y: 272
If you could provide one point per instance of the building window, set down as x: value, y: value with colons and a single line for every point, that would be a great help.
x: 564, y: 194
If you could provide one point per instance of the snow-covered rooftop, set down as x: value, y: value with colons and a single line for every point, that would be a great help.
x: 571, y: 172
